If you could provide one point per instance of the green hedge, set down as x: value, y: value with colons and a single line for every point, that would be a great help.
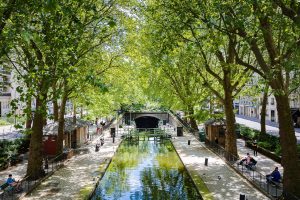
x: 266, y: 141
x: 248, y: 132
x: 10, y: 150
x: 4, y: 122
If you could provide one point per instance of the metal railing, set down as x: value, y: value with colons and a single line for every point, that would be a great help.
x: 181, y: 121
x: 27, y: 185
x: 146, y: 133
x: 271, y: 188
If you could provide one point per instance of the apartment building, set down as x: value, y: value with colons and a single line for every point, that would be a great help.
x: 5, y: 90
x: 251, y: 107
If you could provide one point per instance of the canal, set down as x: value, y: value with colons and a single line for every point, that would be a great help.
x: 146, y: 170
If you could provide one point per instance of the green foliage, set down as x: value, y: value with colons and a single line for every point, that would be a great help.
x: 265, y: 141
x: 265, y: 145
x: 10, y: 150
x: 248, y: 132
x: 4, y: 122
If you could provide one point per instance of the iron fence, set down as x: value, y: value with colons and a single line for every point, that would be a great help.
x: 271, y: 188
x: 27, y: 184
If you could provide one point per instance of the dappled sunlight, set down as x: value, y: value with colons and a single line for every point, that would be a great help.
x: 79, y: 175
x: 264, y: 164
x: 221, y: 180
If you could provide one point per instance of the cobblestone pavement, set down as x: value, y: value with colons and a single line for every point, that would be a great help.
x: 271, y: 128
x: 264, y: 164
x: 79, y: 175
x: 18, y: 171
x: 222, y: 181
x: 81, y: 172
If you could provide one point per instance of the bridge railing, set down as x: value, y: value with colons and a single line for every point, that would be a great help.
x: 182, y: 122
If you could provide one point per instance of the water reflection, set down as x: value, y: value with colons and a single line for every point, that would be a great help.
x: 146, y: 170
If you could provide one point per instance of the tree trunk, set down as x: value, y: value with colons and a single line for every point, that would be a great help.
x: 55, y: 103
x: 35, y: 160
x: 55, y: 109
x: 74, y: 113
x: 264, y: 110
x: 290, y: 158
x: 193, y: 122
x: 28, y: 114
x: 211, y: 109
x: 230, y: 140
x: 61, y: 125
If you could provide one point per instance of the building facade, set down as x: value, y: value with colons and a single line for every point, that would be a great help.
x: 5, y: 90
x: 251, y: 107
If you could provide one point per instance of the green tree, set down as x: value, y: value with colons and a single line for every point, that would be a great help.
x: 273, y: 40
x: 55, y: 36
x: 174, y: 23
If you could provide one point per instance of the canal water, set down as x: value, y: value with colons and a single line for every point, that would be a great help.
x: 146, y: 170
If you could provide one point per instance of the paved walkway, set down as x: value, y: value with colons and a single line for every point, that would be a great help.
x: 84, y: 167
x: 9, y: 132
x: 81, y: 172
x: 18, y: 171
x: 222, y: 181
x: 271, y: 127
x: 264, y: 164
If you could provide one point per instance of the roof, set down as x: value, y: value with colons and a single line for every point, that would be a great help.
x: 52, y: 128
x: 215, y: 122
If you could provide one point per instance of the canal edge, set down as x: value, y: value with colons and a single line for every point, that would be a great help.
x: 101, y: 173
x: 197, y: 186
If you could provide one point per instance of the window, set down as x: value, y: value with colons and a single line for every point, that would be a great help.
x: 272, y: 101
x: 272, y: 115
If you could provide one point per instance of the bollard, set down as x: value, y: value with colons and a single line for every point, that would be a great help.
x: 242, y: 197
x: 97, y: 148
x: 206, y: 162
x: 189, y: 142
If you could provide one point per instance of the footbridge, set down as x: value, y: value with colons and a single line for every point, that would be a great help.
x: 151, y: 119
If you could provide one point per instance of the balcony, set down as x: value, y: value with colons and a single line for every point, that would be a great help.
x: 5, y: 72
x: 5, y: 94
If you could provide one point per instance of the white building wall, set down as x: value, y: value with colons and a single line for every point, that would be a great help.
x: 249, y: 107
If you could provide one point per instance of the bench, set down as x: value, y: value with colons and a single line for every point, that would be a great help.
x: 6, y: 187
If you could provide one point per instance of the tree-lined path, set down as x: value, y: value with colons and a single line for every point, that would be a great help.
x: 93, y: 59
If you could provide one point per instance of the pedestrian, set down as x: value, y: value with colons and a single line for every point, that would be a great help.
x: 254, y: 145
x: 216, y: 140
x: 274, y: 177
x: 97, y: 147
x: 13, y: 183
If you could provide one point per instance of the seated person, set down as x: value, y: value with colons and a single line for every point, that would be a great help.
x: 275, y: 176
x: 248, y: 161
x: 11, y: 181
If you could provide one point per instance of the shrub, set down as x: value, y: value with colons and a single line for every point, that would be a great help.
x: 265, y: 145
x: 3, y: 122
x: 10, y: 150
x: 278, y: 150
x: 248, y: 132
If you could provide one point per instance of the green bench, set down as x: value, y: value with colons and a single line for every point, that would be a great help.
x: 4, y: 186
x: 7, y: 187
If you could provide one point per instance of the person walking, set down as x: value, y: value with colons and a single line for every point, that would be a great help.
x: 254, y: 144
